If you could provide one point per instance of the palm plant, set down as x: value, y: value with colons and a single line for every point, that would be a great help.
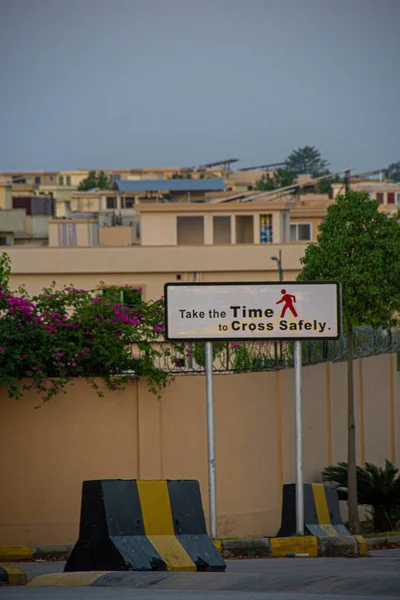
x: 376, y: 486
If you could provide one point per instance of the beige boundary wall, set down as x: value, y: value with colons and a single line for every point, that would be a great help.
x: 46, y: 453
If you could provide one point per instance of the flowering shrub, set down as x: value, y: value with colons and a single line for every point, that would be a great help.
x: 57, y: 336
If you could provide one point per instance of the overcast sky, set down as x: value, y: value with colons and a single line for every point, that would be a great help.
x: 139, y: 83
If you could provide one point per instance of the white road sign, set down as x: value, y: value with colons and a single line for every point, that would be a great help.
x: 253, y: 311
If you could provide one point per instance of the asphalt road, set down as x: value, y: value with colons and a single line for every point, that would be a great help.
x: 375, y: 578
x: 128, y: 594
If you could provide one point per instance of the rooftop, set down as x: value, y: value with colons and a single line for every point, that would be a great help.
x: 206, y: 207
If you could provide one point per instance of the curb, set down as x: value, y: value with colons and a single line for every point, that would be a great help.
x: 77, y: 579
x: 338, y: 546
x: 240, y: 547
x: 383, y: 541
x: 21, y: 553
x: 351, y: 546
x: 12, y: 574
x: 16, y: 552
x: 335, y: 546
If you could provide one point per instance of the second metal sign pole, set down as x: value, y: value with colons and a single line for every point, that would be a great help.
x: 212, y: 489
x: 298, y: 435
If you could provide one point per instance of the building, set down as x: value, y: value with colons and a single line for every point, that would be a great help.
x: 243, y: 181
x: 48, y: 179
x: 178, y: 242
x: 164, y: 173
x: 5, y: 196
x: 214, y: 224
x: 387, y: 194
x: 150, y: 267
x: 23, y: 219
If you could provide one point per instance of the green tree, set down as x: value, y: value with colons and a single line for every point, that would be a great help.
x: 280, y: 178
x: 358, y: 246
x: 95, y: 180
x: 393, y: 172
x: 103, y: 182
x: 325, y: 185
x: 181, y: 176
x: 307, y: 161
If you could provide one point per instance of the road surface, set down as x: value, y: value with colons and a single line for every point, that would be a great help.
x: 374, y: 578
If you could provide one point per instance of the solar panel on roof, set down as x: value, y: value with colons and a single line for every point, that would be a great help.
x: 171, y: 185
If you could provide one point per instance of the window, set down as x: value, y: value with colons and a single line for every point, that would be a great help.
x: 67, y: 234
x: 5, y: 240
x: 38, y: 179
x: 390, y: 198
x: 398, y: 199
x: 68, y: 179
x: 61, y: 180
x: 129, y: 202
x: 244, y: 229
x: 111, y: 202
x: 190, y: 230
x: 266, y: 229
x: 222, y: 230
x: 379, y: 197
x: 300, y: 232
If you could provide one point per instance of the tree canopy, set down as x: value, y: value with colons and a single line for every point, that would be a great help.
x: 359, y: 246
x: 303, y: 161
x: 307, y: 161
x: 177, y: 175
x: 95, y: 180
x: 393, y: 171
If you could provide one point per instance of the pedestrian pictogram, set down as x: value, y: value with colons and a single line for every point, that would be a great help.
x: 288, y: 299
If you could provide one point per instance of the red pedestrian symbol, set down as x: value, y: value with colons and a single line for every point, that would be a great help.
x: 288, y: 299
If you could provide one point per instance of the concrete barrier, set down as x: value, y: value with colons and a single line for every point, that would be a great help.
x: 321, y: 511
x: 12, y: 574
x: 144, y: 525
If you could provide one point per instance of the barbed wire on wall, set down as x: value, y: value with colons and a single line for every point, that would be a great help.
x: 242, y: 357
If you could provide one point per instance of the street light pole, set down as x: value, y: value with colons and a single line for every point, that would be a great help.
x: 278, y: 260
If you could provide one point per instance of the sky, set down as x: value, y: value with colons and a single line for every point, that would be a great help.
x: 165, y: 83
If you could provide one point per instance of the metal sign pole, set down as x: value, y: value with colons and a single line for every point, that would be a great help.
x: 298, y: 420
x: 212, y: 491
x: 294, y: 310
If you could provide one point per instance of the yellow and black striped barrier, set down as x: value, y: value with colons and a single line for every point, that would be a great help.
x: 321, y: 511
x: 143, y: 525
x: 12, y: 574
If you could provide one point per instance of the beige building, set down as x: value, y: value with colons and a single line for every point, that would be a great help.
x: 214, y: 242
x: 214, y: 224
x: 45, y: 178
x: 150, y: 267
x: 182, y: 224
x: 243, y: 181
x: 21, y: 223
x: 163, y: 173
x: 387, y: 194
x: 85, y: 233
